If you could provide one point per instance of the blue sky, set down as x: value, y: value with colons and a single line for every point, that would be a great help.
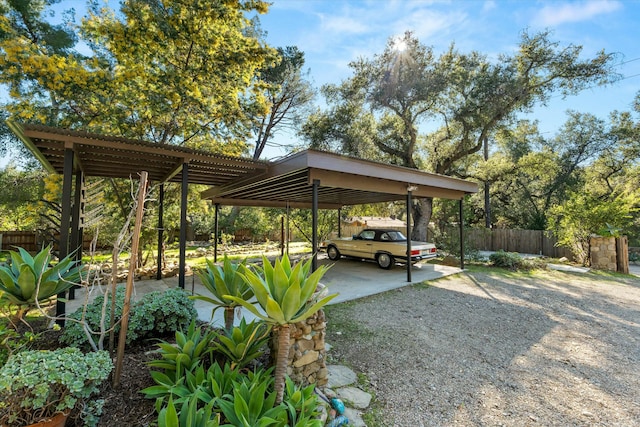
x: 334, y: 32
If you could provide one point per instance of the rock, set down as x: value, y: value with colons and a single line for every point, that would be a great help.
x: 355, y: 397
x: 340, y: 376
x: 355, y: 417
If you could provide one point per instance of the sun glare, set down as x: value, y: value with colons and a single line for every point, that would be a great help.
x: 399, y: 44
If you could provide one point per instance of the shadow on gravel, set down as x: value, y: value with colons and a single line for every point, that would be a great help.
x: 488, y: 350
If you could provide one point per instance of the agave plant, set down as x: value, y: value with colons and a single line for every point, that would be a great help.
x: 31, y: 280
x: 285, y: 294
x: 243, y: 343
x: 222, y: 281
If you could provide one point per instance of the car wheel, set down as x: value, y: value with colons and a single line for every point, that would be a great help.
x: 333, y: 253
x: 385, y: 261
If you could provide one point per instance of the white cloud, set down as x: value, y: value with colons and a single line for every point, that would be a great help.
x: 574, y: 12
x: 343, y: 24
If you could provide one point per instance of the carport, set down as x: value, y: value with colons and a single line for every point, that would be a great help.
x: 308, y: 179
x: 319, y: 180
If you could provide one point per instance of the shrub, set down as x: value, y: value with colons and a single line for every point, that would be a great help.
x: 35, y: 385
x: 156, y: 314
x: 504, y: 259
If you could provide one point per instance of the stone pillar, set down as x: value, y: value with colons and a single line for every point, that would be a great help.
x: 603, y: 253
x: 307, y: 353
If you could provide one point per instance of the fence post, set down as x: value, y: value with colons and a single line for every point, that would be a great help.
x: 622, y: 254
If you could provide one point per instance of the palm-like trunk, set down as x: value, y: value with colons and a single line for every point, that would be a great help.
x: 282, y: 360
x: 228, y: 317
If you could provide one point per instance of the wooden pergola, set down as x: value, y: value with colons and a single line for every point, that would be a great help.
x: 308, y: 179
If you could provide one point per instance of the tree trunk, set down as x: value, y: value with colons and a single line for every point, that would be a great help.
x: 422, y: 210
x: 228, y: 318
x: 282, y: 360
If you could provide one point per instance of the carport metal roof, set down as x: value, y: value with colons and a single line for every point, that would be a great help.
x: 113, y: 157
x: 341, y: 181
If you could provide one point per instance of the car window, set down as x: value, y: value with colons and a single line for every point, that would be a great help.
x: 385, y: 237
x: 368, y: 234
x: 396, y: 236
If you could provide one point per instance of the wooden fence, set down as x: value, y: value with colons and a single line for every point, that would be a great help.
x: 31, y: 241
x: 536, y: 242
x: 24, y: 239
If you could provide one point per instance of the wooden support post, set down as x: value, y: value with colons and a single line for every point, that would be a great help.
x: 133, y: 261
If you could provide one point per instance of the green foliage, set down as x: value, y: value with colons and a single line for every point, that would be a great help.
x: 224, y: 280
x: 190, y: 415
x: 11, y: 341
x: 32, y: 280
x: 252, y: 404
x: 243, y: 343
x: 36, y: 384
x: 301, y: 404
x: 20, y: 195
x: 583, y: 214
x: 190, y: 349
x: 284, y: 292
x: 155, y: 315
x: 510, y: 260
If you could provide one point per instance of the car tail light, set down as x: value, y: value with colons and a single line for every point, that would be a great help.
x: 415, y: 252
x: 432, y: 250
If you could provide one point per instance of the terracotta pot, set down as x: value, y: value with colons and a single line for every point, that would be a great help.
x: 58, y: 420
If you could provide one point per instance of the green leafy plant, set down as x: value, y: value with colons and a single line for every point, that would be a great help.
x: 243, y: 343
x: 286, y: 294
x: 156, y: 314
x: 219, y: 383
x: 11, y: 341
x: 32, y: 280
x: 504, y: 259
x: 189, y: 416
x: 187, y: 353
x: 224, y: 280
x: 301, y: 404
x: 252, y: 404
x: 35, y: 385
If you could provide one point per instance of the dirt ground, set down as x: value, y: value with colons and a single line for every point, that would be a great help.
x: 492, y: 349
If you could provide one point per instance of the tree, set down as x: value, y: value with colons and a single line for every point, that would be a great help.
x: 529, y: 174
x: 464, y: 95
x: 583, y: 215
x: 20, y: 195
x: 169, y: 72
x: 288, y: 97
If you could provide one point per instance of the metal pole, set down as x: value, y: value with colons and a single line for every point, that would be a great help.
x: 76, y: 223
x: 314, y: 223
x: 461, y: 236
x: 64, y: 224
x: 183, y: 224
x: 409, y: 203
x: 160, y: 229
x: 216, y: 232
x: 339, y: 222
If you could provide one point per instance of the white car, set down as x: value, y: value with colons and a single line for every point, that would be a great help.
x: 382, y: 245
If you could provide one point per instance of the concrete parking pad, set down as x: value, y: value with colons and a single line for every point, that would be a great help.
x: 353, y: 279
x: 349, y: 278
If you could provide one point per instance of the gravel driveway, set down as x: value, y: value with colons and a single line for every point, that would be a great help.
x: 488, y: 348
